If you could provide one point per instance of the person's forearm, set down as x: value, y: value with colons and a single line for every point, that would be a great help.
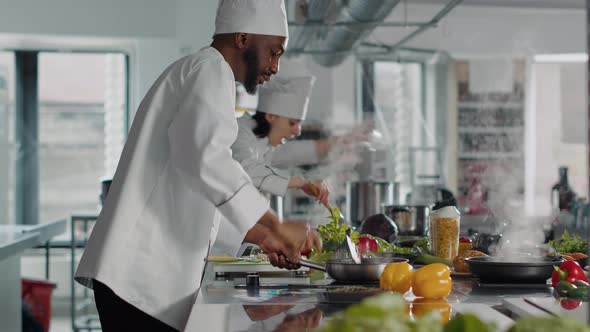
x: 323, y: 147
x: 256, y: 234
x: 269, y: 220
x: 296, y: 182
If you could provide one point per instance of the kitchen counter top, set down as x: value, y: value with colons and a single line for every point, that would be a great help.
x: 16, y: 238
x: 291, y: 303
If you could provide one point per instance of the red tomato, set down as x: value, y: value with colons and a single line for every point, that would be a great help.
x: 570, y: 304
x: 465, y: 240
x: 367, y: 244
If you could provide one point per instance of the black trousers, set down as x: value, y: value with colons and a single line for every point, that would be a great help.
x: 116, y: 315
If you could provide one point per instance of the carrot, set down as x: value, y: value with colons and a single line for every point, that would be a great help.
x: 568, y: 257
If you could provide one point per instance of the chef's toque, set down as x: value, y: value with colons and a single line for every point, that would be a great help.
x: 263, y: 17
x: 287, y: 94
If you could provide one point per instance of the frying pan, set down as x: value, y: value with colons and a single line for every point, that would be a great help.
x: 512, y: 269
x: 346, y: 270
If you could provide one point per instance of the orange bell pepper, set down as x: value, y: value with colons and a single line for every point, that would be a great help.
x: 432, y: 281
x: 397, y: 277
x: 421, y: 306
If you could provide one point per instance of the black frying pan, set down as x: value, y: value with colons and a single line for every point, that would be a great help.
x: 512, y: 269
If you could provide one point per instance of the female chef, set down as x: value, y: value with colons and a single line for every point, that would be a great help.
x: 282, y: 106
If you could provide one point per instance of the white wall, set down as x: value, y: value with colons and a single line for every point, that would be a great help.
x: 547, y: 144
x: 113, y: 18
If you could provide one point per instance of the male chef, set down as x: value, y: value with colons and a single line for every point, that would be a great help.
x: 176, y: 177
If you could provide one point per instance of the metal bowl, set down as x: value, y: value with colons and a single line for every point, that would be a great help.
x: 410, y: 219
x: 369, y: 270
x: 512, y: 269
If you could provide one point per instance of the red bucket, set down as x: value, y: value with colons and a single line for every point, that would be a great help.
x: 37, y: 295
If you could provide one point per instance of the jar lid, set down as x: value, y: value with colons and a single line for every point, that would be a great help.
x: 445, y: 212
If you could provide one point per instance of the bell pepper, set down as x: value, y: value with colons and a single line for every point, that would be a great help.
x: 432, y: 281
x: 569, y: 271
x: 367, y: 244
x: 397, y: 277
x: 576, y: 291
x: 421, y: 306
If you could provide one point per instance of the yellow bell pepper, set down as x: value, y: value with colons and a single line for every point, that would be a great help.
x: 397, y: 277
x: 432, y: 281
x: 421, y: 306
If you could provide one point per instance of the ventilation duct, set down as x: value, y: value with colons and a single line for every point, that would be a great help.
x: 356, y: 19
x: 330, y: 30
x: 304, y: 12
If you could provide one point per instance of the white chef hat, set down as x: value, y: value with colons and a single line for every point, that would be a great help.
x: 287, y: 94
x: 263, y: 17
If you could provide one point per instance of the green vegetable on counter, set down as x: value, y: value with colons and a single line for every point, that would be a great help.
x: 334, y: 233
x: 552, y: 324
x: 569, y: 244
x: 468, y: 323
x: 423, y: 244
x: 429, y: 259
x: 383, y: 312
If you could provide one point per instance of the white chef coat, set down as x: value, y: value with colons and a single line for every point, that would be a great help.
x: 262, y: 161
x: 175, y: 178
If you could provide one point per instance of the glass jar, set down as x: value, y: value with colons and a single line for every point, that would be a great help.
x: 444, y: 232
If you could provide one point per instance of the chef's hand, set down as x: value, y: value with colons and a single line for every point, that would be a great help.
x: 317, y: 189
x: 264, y: 312
x: 302, y: 321
x: 295, y: 237
x: 283, y: 242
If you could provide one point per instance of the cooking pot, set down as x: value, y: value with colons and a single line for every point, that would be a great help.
x: 369, y: 270
x: 410, y: 219
x: 366, y: 198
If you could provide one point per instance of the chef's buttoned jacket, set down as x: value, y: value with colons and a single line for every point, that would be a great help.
x: 175, y: 178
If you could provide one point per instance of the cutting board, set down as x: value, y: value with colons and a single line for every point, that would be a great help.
x: 244, y: 266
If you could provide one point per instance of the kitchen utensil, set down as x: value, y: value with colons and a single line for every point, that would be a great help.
x: 328, y: 206
x: 366, y: 198
x: 410, y: 219
x: 381, y: 226
x: 346, y: 270
x: 512, y: 269
x: 347, y: 250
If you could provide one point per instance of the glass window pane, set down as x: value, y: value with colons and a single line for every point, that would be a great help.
x: 7, y: 137
x: 82, y: 113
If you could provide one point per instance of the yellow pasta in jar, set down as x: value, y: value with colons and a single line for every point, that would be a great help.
x: 444, y: 237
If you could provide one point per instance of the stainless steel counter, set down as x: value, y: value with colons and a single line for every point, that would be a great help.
x: 295, y: 303
x: 14, y: 239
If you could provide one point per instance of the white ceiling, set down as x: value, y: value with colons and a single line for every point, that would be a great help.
x: 561, y: 4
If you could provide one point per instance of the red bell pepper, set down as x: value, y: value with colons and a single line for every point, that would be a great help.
x: 569, y: 271
x: 367, y: 244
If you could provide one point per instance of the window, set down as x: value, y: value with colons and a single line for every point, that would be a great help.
x: 79, y: 105
x: 6, y: 137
